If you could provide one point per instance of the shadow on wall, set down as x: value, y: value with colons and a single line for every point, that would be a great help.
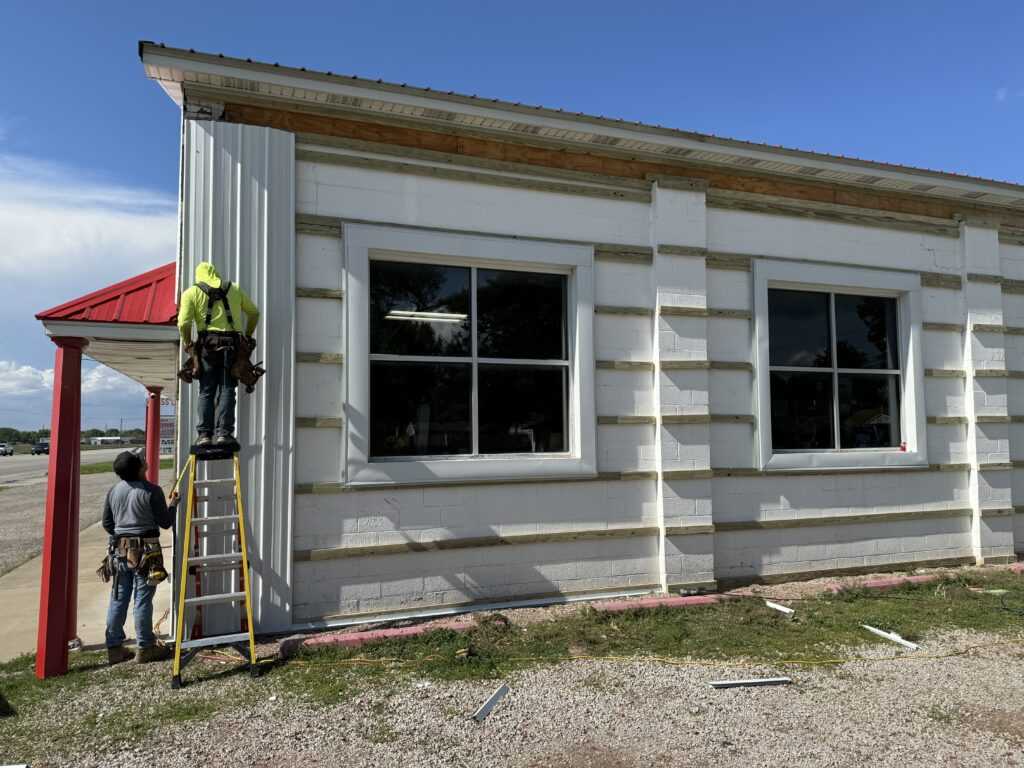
x: 435, y: 549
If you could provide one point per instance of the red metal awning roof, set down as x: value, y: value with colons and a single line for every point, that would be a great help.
x: 148, y: 298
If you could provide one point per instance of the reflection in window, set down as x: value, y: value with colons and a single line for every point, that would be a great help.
x: 799, y: 332
x: 420, y: 409
x: 433, y: 394
x: 854, y: 403
x: 522, y: 315
x: 419, y: 309
x: 522, y: 409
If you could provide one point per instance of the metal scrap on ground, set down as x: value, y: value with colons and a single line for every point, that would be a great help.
x: 485, y: 709
x: 754, y: 681
x: 891, y: 636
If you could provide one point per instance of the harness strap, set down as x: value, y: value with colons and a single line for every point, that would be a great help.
x: 213, y: 295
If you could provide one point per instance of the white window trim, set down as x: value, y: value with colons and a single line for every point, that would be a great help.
x: 810, y: 277
x: 407, y: 244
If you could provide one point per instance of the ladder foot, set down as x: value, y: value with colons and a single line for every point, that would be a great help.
x: 176, y: 682
x: 254, y: 670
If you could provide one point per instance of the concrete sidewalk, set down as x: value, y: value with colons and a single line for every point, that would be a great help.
x: 19, y: 596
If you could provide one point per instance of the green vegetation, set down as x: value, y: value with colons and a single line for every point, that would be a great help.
x: 734, y: 630
x: 824, y: 629
x: 108, y: 466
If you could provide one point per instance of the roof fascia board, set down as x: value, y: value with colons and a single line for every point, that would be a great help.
x: 180, y: 61
x: 111, y: 331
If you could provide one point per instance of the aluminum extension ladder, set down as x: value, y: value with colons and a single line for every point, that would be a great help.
x: 212, y: 523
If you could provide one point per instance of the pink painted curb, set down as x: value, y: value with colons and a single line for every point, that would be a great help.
x: 1017, y: 568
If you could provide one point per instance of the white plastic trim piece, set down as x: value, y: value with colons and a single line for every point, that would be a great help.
x: 892, y: 636
x: 780, y: 608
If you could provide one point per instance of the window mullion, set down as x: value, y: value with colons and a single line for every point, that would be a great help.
x: 835, y: 371
x: 474, y: 406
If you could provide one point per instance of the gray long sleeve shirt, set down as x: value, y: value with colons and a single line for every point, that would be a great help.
x: 135, y: 508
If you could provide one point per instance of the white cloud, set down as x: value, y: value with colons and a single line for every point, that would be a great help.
x: 23, y: 380
x: 56, y: 218
x: 101, y: 380
x: 66, y: 233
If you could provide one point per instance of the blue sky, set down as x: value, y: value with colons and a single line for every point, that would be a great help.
x: 88, y: 146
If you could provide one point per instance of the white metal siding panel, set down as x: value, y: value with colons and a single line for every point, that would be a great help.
x: 239, y: 213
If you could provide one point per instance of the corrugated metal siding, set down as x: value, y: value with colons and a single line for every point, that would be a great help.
x: 239, y: 212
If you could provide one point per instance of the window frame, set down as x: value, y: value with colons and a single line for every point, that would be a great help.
x: 906, y: 289
x: 835, y: 370
x: 363, y: 242
x: 475, y: 360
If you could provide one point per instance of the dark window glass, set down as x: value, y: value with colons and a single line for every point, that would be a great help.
x: 522, y: 315
x: 866, y: 332
x: 419, y: 309
x: 802, y: 410
x: 522, y: 409
x: 869, y: 410
x: 798, y: 329
x: 420, y: 409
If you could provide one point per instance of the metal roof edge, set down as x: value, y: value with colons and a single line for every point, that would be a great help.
x: 147, y: 48
x: 109, y: 292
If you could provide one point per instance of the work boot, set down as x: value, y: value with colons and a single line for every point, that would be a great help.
x: 203, y: 440
x: 117, y: 654
x: 153, y: 653
x: 224, y: 440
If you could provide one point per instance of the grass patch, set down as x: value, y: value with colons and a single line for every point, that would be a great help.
x: 736, y: 630
x: 108, y: 466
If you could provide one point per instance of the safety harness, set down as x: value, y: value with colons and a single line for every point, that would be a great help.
x: 213, y: 295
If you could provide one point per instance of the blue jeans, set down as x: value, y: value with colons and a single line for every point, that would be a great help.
x: 127, y: 581
x: 217, y: 396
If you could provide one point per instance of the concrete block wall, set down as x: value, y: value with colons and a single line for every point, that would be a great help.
x: 422, y: 515
x: 674, y: 354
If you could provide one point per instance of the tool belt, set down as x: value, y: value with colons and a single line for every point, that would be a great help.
x: 214, y: 345
x: 142, y: 554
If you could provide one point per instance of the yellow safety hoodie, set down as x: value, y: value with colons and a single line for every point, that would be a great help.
x: 193, y: 305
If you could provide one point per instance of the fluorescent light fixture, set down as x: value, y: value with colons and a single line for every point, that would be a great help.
x: 430, y: 317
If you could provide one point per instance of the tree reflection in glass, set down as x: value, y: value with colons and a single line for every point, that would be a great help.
x: 419, y: 309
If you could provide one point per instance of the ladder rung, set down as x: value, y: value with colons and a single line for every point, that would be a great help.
x: 225, y: 597
x: 214, y: 519
x: 205, y: 559
x: 219, y: 481
x: 203, y: 642
x: 217, y: 567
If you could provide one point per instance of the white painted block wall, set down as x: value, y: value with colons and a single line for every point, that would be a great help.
x: 424, y: 579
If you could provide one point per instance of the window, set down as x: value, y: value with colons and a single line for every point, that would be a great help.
x: 835, y: 374
x: 839, y: 380
x: 466, y: 361
x: 469, y: 358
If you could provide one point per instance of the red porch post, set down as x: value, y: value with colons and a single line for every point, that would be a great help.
x: 153, y: 433
x: 58, y: 594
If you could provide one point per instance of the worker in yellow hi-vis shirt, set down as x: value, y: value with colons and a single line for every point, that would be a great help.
x: 220, y: 352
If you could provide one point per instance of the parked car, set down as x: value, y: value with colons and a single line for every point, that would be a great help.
x: 6, y: 450
x: 41, y: 448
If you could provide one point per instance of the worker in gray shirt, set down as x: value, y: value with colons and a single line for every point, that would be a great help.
x: 134, y: 513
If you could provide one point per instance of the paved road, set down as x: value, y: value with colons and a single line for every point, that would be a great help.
x: 27, y: 467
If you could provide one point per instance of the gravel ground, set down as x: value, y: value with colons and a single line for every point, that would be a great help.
x: 955, y: 711
x: 22, y: 508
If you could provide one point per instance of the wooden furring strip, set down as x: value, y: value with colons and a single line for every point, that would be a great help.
x: 475, y: 542
x: 472, y: 177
